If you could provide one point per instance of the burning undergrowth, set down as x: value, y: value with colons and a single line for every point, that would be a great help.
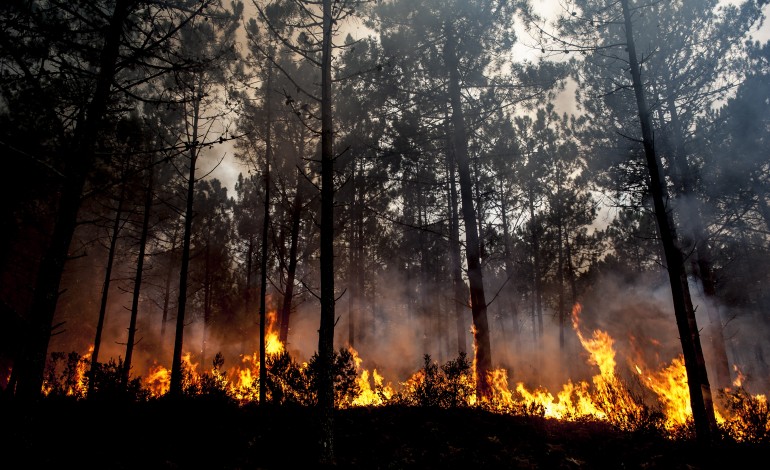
x: 637, y: 398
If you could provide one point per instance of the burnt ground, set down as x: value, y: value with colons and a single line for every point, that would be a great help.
x: 212, y: 435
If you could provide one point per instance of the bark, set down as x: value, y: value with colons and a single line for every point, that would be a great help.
x: 167, y: 290
x: 326, y: 330
x: 126, y: 372
x: 472, y: 250
x: 360, y: 280
x: 207, y: 288
x: 175, y: 386
x: 29, y: 366
x: 106, y: 286
x: 353, y: 268
x: 291, y: 270
x: 562, y: 313
x: 459, y: 288
x: 263, y: 253
x: 697, y: 378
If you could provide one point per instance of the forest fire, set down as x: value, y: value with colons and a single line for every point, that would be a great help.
x: 605, y: 398
x: 538, y: 211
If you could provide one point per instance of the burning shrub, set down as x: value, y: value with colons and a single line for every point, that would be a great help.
x: 287, y: 380
x: 214, y: 385
x: 622, y: 408
x: 69, y: 375
x: 191, y: 381
x: 749, y: 419
x: 65, y: 375
x: 448, y: 386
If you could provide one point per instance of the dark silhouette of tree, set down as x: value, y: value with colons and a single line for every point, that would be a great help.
x: 116, y: 225
x: 144, y: 231
x: 315, y: 26
x: 208, y: 43
x: 80, y: 153
x: 599, y: 30
x: 95, y: 62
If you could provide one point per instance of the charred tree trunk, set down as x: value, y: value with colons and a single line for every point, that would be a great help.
x: 106, y: 285
x: 29, y: 366
x: 247, y: 297
x: 207, y: 295
x: 126, y: 372
x: 291, y: 270
x: 326, y: 330
x: 473, y: 255
x: 175, y: 386
x: 700, y: 390
x: 263, y: 253
x: 560, y: 276
x: 360, y: 280
x: 354, y: 271
x: 460, y: 292
x: 167, y: 289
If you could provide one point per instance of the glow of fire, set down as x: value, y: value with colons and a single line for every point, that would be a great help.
x: 605, y: 398
x: 371, y: 392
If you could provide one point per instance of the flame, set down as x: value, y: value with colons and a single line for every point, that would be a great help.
x: 670, y: 385
x: 72, y: 381
x: 80, y: 387
x: 739, y: 377
x: 158, y: 380
x: 607, y: 400
x: 604, y: 397
x: 273, y: 345
x: 371, y: 393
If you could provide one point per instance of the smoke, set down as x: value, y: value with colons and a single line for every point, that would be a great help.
x: 399, y: 325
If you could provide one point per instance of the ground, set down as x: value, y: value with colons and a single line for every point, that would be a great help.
x: 213, y: 435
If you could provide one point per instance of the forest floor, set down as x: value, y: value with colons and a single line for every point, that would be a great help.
x: 211, y: 435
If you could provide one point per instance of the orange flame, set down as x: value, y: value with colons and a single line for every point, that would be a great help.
x: 604, y: 397
x: 371, y: 393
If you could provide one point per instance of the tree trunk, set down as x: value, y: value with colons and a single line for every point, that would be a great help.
x: 700, y: 391
x: 126, y: 372
x: 562, y: 313
x: 353, y: 267
x: 29, y: 366
x: 460, y: 292
x: 478, y: 302
x: 263, y: 254
x: 291, y: 270
x: 167, y: 289
x: 326, y: 330
x: 360, y: 279
x: 207, y: 288
x: 175, y: 386
x: 106, y: 286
